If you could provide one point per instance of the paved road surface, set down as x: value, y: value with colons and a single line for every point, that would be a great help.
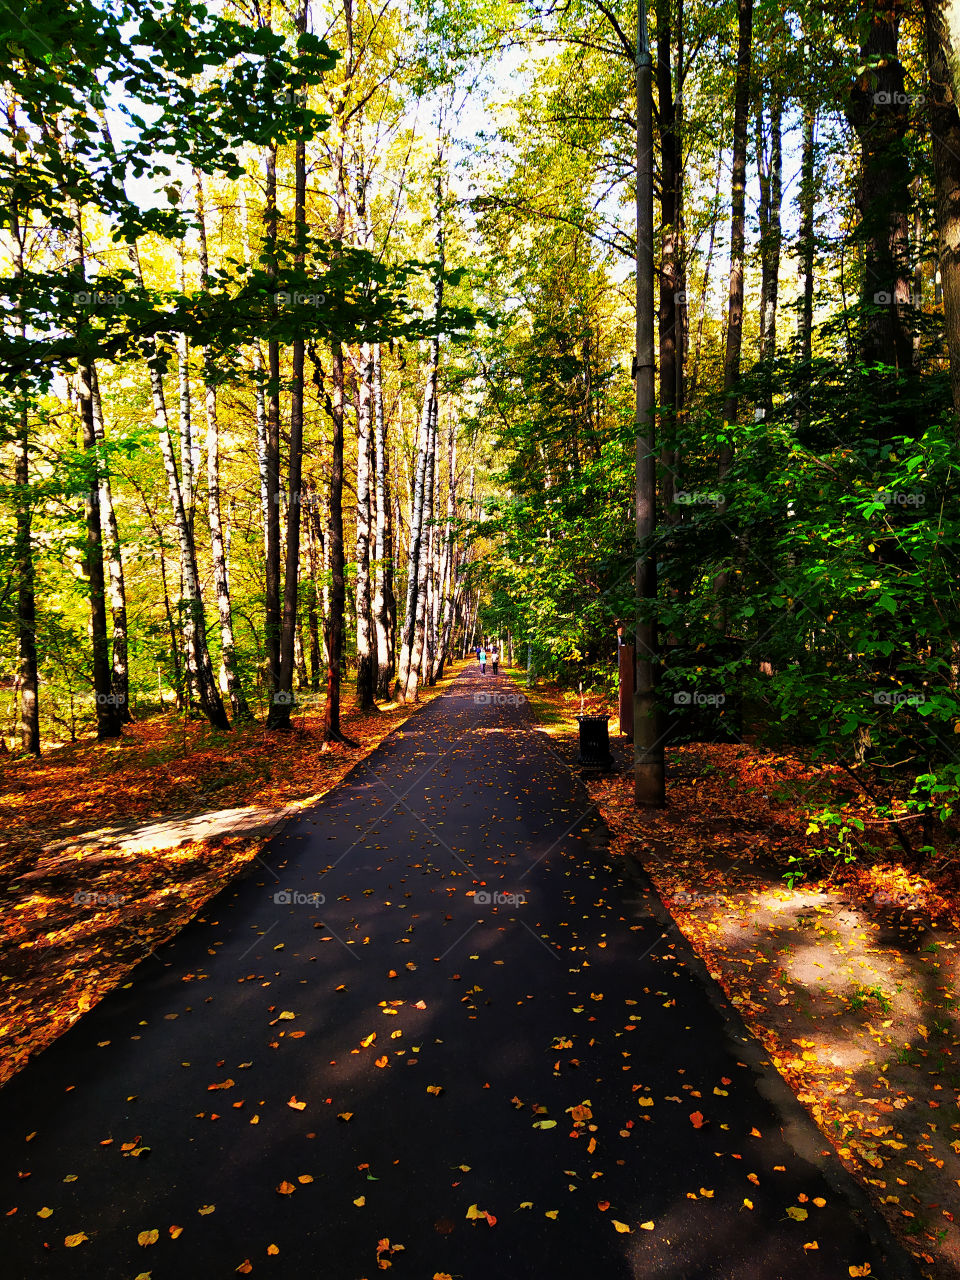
x: 543, y: 1056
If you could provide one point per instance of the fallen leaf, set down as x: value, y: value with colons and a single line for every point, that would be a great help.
x: 620, y: 1227
x: 360, y: 1201
x: 286, y: 1188
x: 148, y: 1237
x: 297, y: 1106
x: 205, y: 1209
x: 72, y: 1241
x: 696, y: 1119
x: 797, y: 1214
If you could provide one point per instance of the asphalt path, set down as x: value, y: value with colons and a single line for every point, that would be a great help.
x: 432, y: 1027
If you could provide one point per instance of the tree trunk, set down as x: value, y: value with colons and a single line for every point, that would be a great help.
x: 770, y: 169
x: 231, y: 677
x: 200, y: 674
x: 417, y: 524
x: 187, y: 470
x: 280, y: 710
x: 27, y: 674
x: 367, y: 661
x: 109, y: 717
x: 738, y: 196
x: 449, y: 577
x: 120, y: 674
x: 425, y: 566
x: 313, y: 623
x: 332, y: 731
x: 943, y: 42
x: 28, y: 682
x: 669, y: 267
x: 411, y: 651
x: 271, y: 460
x: 384, y: 602
x: 807, y: 245
x: 877, y: 108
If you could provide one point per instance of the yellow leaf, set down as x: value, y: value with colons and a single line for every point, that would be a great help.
x: 148, y: 1237
x: 44, y: 1212
x: 707, y: 1195
x: 435, y: 1089
x: 305, y: 1178
x: 797, y: 1214
x: 286, y: 1188
x: 646, y: 1226
x: 360, y: 1201
x: 367, y: 1041
x: 819, y: 1202
x: 72, y: 1241
x: 644, y: 1102
x: 175, y: 1232
x: 859, y: 1271
x: 297, y: 1106
x: 544, y: 1124
x: 812, y: 1245
x: 382, y: 1061
x: 526, y: 1204
x: 619, y: 1226
x: 464, y: 1168
x: 205, y: 1209
x: 747, y: 1204
x: 286, y: 1016
x: 551, y: 1213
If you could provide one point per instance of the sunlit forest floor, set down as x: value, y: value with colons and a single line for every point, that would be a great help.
x: 848, y: 979
x: 109, y: 848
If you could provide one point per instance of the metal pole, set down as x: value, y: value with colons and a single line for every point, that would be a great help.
x: 648, y: 768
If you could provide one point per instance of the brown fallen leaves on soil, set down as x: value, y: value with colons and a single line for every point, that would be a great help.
x: 848, y: 981
x: 79, y: 919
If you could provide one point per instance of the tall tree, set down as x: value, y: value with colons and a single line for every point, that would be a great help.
x: 228, y: 657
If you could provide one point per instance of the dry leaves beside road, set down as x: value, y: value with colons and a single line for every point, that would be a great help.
x: 848, y: 982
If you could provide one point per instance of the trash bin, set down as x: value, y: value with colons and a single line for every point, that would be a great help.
x: 594, y: 742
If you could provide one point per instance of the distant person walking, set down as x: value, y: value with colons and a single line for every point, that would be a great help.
x: 495, y: 659
x: 482, y: 656
x: 477, y: 652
